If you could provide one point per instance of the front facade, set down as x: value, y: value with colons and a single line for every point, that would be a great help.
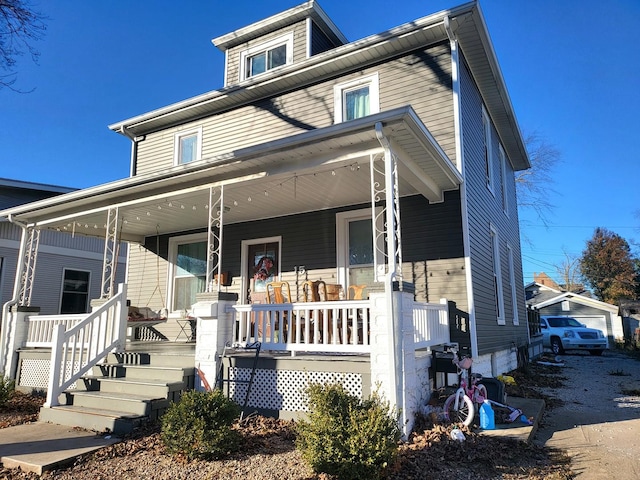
x: 387, y: 162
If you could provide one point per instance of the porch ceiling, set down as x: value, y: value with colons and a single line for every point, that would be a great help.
x: 316, y: 170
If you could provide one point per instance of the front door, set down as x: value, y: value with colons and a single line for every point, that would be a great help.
x: 261, y: 264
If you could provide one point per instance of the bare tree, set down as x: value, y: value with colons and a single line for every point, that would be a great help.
x: 569, y: 271
x: 20, y: 27
x: 535, y: 185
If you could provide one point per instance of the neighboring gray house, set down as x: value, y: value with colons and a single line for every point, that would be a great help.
x: 593, y: 313
x: 68, y: 269
x: 386, y: 162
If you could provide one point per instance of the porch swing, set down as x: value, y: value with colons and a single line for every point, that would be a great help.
x: 144, y: 318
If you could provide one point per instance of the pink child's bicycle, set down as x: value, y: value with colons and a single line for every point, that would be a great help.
x: 461, y: 407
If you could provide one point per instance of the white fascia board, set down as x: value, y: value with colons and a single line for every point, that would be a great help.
x: 574, y: 297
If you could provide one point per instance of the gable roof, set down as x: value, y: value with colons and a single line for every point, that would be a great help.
x: 544, y: 299
x: 466, y: 23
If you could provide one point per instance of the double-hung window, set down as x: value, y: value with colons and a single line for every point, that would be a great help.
x: 356, y: 99
x: 188, y: 146
x: 188, y: 256
x: 267, y: 56
x: 75, y: 291
x: 488, y: 150
x: 497, y: 276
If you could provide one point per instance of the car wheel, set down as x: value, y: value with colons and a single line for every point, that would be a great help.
x: 556, y: 346
x: 596, y: 352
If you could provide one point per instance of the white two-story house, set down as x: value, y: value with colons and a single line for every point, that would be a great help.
x: 385, y: 163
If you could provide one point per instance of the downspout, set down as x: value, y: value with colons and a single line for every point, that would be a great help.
x: 134, y: 150
x: 6, y: 308
x: 457, y: 107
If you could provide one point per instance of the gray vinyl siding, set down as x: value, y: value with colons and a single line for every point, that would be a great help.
x: 299, y: 49
x: 485, y: 209
x: 57, y: 251
x: 319, y: 41
x: 421, y: 79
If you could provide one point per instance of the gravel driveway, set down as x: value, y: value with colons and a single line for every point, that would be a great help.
x: 599, y: 423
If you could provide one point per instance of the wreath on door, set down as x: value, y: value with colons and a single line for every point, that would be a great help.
x: 264, y: 269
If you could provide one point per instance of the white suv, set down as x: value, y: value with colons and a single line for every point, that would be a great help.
x: 566, y: 333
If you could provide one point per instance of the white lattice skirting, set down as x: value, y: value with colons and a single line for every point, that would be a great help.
x: 34, y: 372
x: 284, y: 389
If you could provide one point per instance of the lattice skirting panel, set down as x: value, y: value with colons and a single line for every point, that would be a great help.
x: 284, y: 389
x: 34, y: 372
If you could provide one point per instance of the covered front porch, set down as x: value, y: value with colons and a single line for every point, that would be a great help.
x: 364, y: 166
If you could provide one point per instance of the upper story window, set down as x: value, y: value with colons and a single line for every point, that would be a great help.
x: 503, y: 177
x: 356, y: 99
x: 188, y: 146
x: 266, y: 56
x: 488, y: 150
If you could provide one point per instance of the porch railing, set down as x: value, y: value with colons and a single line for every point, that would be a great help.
x: 338, y: 326
x: 431, y: 324
x: 40, y: 327
x: 76, y: 350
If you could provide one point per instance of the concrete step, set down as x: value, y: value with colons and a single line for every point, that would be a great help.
x: 119, y: 402
x: 151, y: 387
x: 172, y: 374
x: 96, y: 419
x: 164, y: 359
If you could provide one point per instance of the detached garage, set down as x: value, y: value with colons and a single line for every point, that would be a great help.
x: 593, y: 313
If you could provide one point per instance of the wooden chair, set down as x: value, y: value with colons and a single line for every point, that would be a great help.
x: 279, y: 292
x: 356, y: 292
x: 311, y: 290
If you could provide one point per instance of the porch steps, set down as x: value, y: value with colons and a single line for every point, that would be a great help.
x: 124, y: 392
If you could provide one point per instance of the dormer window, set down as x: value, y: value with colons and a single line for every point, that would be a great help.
x: 266, y: 56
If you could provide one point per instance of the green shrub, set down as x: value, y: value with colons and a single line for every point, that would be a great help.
x: 199, y: 425
x: 345, y: 436
x: 7, y: 387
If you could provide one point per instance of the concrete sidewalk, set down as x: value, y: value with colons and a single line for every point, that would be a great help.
x: 531, y: 408
x: 36, y: 447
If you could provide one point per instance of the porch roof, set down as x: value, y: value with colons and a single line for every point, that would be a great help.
x: 315, y: 170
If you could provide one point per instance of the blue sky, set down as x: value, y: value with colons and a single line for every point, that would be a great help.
x: 572, y: 68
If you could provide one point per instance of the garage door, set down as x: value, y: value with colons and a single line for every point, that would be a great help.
x: 594, y: 321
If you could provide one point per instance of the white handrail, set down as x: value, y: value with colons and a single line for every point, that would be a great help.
x: 430, y: 324
x: 76, y: 350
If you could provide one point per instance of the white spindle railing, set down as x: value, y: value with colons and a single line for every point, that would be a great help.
x: 76, y: 350
x: 40, y: 327
x: 431, y: 324
x: 338, y: 326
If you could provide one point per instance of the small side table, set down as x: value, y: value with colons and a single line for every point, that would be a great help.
x: 187, y: 329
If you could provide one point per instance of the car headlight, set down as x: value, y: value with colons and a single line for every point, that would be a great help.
x: 569, y: 334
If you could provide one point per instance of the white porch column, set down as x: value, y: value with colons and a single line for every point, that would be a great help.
x: 214, y: 328
x: 393, y: 355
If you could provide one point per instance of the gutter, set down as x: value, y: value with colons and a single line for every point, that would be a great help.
x: 6, y: 308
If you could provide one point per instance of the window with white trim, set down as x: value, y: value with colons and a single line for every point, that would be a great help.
x: 187, y: 146
x: 488, y: 150
x: 497, y: 275
x: 356, y: 99
x: 512, y: 282
x: 188, y: 270
x: 503, y: 174
x: 75, y: 291
x: 266, y: 56
x: 357, y: 256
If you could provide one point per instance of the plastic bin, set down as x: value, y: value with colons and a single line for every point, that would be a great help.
x: 495, y: 389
